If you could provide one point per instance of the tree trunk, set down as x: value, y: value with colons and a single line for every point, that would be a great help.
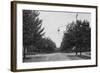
x: 76, y: 53
x: 80, y: 53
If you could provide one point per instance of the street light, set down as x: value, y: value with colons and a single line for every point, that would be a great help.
x: 59, y: 28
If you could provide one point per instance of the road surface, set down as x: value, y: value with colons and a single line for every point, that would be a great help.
x: 54, y: 57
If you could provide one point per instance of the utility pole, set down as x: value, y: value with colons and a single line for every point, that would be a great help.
x: 76, y: 16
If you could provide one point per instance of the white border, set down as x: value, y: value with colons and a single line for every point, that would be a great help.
x: 21, y: 65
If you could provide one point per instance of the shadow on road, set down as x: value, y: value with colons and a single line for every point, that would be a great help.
x: 84, y: 57
x: 78, y: 57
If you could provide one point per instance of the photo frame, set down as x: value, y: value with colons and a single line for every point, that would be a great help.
x: 46, y: 36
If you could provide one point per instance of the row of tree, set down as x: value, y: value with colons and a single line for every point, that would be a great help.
x: 33, y: 32
x: 77, y: 37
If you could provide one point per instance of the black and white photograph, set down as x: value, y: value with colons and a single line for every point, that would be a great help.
x: 56, y: 36
x: 52, y: 36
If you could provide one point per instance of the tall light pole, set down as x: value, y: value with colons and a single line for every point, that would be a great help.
x: 76, y: 16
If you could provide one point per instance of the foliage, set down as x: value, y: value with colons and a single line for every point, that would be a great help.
x: 77, y: 37
x: 32, y: 30
x: 47, y: 45
x: 33, y: 40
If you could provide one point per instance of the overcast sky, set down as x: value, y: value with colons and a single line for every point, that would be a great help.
x: 54, y: 20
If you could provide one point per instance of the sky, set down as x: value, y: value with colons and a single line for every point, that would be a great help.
x: 52, y: 21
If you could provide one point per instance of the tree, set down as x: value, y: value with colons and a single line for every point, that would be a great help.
x: 32, y: 30
x: 47, y: 45
x: 77, y: 37
x: 68, y: 40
